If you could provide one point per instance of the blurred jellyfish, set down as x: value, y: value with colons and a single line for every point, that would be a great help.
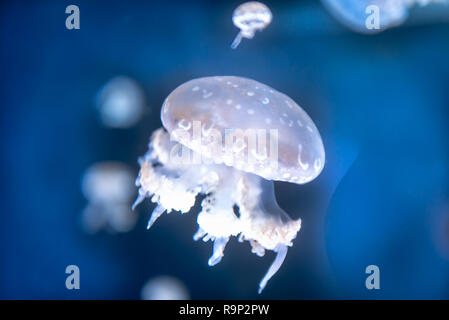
x: 108, y: 187
x: 191, y: 159
x: 113, y: 217
x: 120, y: 103
x: 164, y: 288
x: 108, y: 181
x: 250, y: 17
x: 354, y: 13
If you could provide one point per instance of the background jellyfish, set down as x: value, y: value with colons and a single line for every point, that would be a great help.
x: 352, y: 13
x: 237, y: 172
x: 108, y: 187
x: 120, y: 102
x: 250, y: 17
x: 164, y: 288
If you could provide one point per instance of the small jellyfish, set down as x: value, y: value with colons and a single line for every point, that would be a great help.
x: 391, y: 13
x: 164, y: 288
x: 114, y: 217
x: 231, y: 156
x: 250, y: 17
x: 108, y: 187
x: 120, y: 102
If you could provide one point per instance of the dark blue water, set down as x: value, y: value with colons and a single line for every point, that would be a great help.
x: 380, y: 102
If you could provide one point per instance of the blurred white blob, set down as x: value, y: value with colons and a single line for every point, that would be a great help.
x: 120, y: 102
x: 391, y: 13
x: 250, y: 17
x: 109, y: 189
x: 164, y: 288
x: 114, y: 218
x: 108, y: 181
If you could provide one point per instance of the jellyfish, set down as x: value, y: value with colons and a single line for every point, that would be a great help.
x: 228, y: 138
x: 164, y: 288
x: 120, y: 102
x: 250, y: 17
x: 392, y: 13
x: 108, y: 187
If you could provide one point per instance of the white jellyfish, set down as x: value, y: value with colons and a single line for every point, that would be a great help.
x: 164, y: 288
x: 228, y: 138
x: 250, y: 17
x: 108, y: 187
x: 391, y: 13
x: 120, y: 102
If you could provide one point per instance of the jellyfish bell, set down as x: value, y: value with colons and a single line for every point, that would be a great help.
x: 238, y: 107
x: 259, y: 135
x: 108, y: 181
x: 120, y: 102
x: 108, y: 188
x: 113, y: 217
x: 250, y: 17
x: 164, y: 288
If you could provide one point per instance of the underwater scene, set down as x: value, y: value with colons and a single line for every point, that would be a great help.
x: 199, y: 149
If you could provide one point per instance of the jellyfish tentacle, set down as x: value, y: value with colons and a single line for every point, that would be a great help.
x: 238, y: 38
x: 138, y: 201
x: 207, y: 237
x: 219, y: 246
x: 265, y: 224
x: 199, y: 234
x: 277, y: 263
x: 157, y: 212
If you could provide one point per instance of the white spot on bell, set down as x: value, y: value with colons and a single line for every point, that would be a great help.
x: 317, y: 165
x: 184, y: 126
x: 304, y: 165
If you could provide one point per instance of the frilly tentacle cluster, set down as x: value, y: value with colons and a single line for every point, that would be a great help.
x: 174, y: 183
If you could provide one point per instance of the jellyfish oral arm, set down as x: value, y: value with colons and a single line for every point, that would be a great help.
x: 219, y: 245
x: 261, y: 221
x: 157, y: 212
x: 280, y: 257
x: 236, y: 41
x: 242, y: 34
x: 265, y: 224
